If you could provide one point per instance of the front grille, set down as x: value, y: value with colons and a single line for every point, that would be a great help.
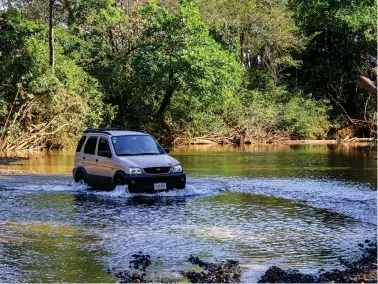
x: 147, y: 184
x: 157, y: 170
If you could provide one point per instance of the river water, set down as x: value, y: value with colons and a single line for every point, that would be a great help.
x: 301, y: 207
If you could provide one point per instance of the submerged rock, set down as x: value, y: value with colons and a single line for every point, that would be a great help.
x: 129, y: 277
x: 363, y: 270
x: 277, y: 275
x: 139, y: 263
x: 8, y: 160
x: 226, y: 272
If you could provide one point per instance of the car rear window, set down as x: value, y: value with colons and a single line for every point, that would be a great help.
x: 80, y: 145
x: 90, y: 146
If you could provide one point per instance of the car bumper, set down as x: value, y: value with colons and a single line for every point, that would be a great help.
x: 145, y: 183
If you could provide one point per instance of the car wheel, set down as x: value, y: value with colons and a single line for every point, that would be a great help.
x: 80, y: 178
x: 118, y: 180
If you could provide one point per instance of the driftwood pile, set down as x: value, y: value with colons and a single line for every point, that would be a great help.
x: 36, y: 139
x: 233, y: 138
x: 273, y: 137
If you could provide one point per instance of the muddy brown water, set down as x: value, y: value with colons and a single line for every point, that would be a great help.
x: 298, y: 206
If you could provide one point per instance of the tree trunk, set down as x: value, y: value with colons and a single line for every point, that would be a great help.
x: 166, y: 100
x: 241, y: 39
x: 51, y: 34
x: 164, y: 104
x: 71, y: 13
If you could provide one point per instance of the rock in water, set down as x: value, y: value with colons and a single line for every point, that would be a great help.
x: 225, y: 272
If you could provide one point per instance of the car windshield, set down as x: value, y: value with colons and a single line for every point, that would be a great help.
x: 130, y: 145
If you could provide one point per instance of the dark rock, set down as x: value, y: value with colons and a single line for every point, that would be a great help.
x: 363, y: 270
x: 226, y: 272
x: 139, y: 262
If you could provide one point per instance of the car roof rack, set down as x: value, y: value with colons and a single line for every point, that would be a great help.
x: 106, y: 130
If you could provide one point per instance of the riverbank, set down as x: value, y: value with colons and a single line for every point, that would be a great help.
x: 248, y: 140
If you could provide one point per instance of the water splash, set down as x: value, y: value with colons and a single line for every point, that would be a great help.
x: 123, y: 191
x: 350, y: 199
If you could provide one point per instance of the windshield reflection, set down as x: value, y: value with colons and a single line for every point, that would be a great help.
x: 131, y: 145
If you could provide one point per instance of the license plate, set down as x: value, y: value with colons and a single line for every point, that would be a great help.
x: 160, y: 186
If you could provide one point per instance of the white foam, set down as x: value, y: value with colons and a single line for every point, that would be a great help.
x: 189, y: 190
x: 349, y: 199
x: 123, y: 191
x: 119, y: 191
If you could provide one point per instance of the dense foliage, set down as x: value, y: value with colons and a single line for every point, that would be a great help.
x: 256, y: 68
x: 344, y: 37
x: 40, y: 105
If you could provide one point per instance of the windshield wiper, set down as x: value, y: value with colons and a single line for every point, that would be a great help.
x: 140, y: 154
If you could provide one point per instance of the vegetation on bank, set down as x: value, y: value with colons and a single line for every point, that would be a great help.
x: 181, y: 69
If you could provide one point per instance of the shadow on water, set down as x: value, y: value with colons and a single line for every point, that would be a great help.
x: 333, y: 147
x: 85, y: 199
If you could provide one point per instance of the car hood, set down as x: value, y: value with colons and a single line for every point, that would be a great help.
x: 149, y: 161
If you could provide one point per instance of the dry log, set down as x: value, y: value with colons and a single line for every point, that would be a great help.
x: 362, y: 140
x: 368, y: 85
x: 202, y: 141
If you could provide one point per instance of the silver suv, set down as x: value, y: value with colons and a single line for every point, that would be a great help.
x: 106, y: 158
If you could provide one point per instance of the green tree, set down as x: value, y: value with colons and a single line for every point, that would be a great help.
x: 343, y: 37
x: 264, y: 31
x: 184, y: 65
x: 177, y: 57
x: 41, y: 107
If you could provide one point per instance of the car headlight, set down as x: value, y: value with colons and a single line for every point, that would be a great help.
x: 177, y: 169
x: 135, y: 171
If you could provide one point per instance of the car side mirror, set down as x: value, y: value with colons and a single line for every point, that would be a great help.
x: 166, y: 150
x: 105, y: 153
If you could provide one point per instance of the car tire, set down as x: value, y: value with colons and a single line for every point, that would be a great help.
x: 118, y: 180
x: 80, y: 178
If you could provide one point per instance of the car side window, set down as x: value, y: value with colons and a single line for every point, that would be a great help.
x: 103, y: 148
x: 80, y: 145
x: 90, y: 146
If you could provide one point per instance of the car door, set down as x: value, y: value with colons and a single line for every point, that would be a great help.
x: 104, y: 169
x: 89, y: 159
